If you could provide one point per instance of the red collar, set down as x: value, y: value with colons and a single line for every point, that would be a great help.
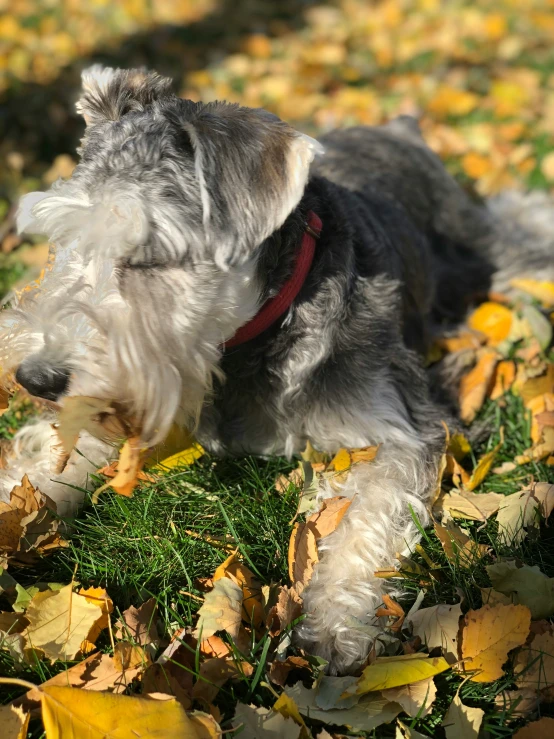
x: 274, y: 308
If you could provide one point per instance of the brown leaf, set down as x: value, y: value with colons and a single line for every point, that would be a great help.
x: 465, y: 504
x: 222, y: 610
x: 139, y: 624
x: 286, y: 610
x: 14, y: 722
x: 489, y: 634
x: 170, y: 680
x: 303, y: 555
x: 475, y: 384
x: 131, y: 459
x: 233, y: 568
x: 214, y: 673
x: 393, y: 610
x: 541, y: 729
x: 534, y: 664
x: 279, y: 670
x: 458, y: 546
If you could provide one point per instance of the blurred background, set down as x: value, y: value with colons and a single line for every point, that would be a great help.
x: 480, y: 75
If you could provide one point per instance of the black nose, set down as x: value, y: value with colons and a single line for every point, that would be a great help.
x: 42, y: 380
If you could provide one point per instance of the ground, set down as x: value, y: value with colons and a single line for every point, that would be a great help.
x: 480, y: 76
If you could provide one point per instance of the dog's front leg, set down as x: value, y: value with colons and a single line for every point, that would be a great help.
x: 344, y: 591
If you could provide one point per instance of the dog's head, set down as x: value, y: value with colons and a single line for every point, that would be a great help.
x: 156, y: 237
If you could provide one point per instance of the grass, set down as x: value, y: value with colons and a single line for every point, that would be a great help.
x: 173, y: 532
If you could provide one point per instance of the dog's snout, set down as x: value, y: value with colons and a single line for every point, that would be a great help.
x: 42, y: 380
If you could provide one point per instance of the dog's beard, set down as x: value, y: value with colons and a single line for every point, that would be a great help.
x: 148, y: 339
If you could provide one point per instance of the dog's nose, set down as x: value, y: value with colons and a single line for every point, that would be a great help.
x: 42, y: 380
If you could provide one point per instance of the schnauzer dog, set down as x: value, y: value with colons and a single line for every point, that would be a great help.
x: 214, y: 267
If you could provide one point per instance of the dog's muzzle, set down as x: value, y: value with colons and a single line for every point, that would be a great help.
x: 42, y: 380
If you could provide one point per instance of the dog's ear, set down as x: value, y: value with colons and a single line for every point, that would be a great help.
x: 252, y: 169
x: 110, y: 93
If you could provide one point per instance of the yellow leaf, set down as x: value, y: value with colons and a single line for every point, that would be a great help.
x: 465, y: 504
x: 181, y: 459
x: 484, y: 465
x: 286, y: 706
x: 341, y: 461
x: 14, y: 722
x: 492, y: 319
x: 452, y: 101
x: 489, y: 634
x: 475, y: 384
x: 302, y: 555
x: 222, y: 610
x: 504, y: 377
x: 458, y: 546
x: 234, y: 569
x: 131, y: 460
x: 390, y: 672
x: 70, y: 712
x: 59, y: 622
x: 539, y: 289
x: 459, y: 447
x: 476, y: 165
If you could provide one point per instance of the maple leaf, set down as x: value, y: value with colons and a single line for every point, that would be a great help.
x: 221, y: 611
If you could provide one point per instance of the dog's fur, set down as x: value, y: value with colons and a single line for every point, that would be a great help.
x: 179, y: 221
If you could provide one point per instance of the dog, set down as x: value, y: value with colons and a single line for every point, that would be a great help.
x: 215, y: 268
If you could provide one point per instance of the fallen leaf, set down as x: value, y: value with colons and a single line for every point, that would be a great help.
x: 465, y: 504
x: 214, y: 673
x: 131, y: 459
x: 543, y: 291
x: 303, y: 555
x: 534, y: 663
x: 391, y: 672
x: 484, y: 465
x: 504, y: 377
x: 286, y: 610
x: 406, y: 732
x: 233, y: 568
x: 437, y: 627
x: 533, y: 386
x: 221, y: 611
x: 458, y: 546
x: 489, y: 634
x: 524, y: 585
x: 59, y: 622
x: 493, y: 320
x: 279, y: 670
x: 341, y: 461
x: 286, y: 706
x: 368, y: 713
x: 475, y: 385
x: 66, y: 711
x: 258, y: 723
x: 491, y: 597
x: 520, y: 511
x: 14, y: 722
x: 541, y: 729
x: 392, y: 610
x: 416, y: 698
x: 139, y: 624
x: 99, y: 597
x: 462, y: 722
x: 459, y: 446
x: 184, y: 458
x: 518, y: 702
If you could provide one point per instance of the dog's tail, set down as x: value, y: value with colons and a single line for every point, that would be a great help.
x: 521, y: 242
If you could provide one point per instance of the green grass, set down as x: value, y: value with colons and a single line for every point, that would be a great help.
x: 171, y: 533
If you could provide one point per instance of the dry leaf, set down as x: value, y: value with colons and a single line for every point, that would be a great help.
x: 59, y: 622
x: 131, y: 459
x: 458, y: 546
x: 406, y: 732
x: 504, y: 377
x: 214, y: 673
x: 518, y: 702
x: 65, y: 711
x: 525, y: 585
x: 233, y: 568
x: 541, y: 290
x: 519, y: 511
x: 462, y: 722
x: 263, y: 722
x: 475, y: 385
x: 416, y: 698
x: 14, y: 722
x: 303, y: 555
x: 391, y: 672
x: 534, y: 663
x: 392, y: 610
x: 541, y: 729
x: 465, y: 504
x: 489, y: 634
x: 368, y: 713
x: 279, y: 670
x: 139, y: 624
x: 484, y: 465
x: 222, y: 610
x: 286, y: 610
x: 438, y: 626
x: 493, y: 320
x: 533, y: 386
